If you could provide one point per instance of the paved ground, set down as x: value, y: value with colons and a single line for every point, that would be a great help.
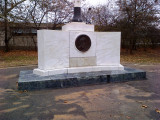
x: 138, y: 100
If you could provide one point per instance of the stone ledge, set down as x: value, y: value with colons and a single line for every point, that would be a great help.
x: 78, y: 26
x: 77, y: 70
x: 29, y: 81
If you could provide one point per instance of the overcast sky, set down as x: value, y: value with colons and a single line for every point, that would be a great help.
x: 96, y: 2
x: 111, y: 4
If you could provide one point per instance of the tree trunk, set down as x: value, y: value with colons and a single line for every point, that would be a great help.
x: 6, y: 37
x: 134, y: 43
x: 131, y: 44
x: 35, y: 44
x: 6, y: 30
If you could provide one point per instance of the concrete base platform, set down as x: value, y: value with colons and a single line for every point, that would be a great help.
x: 29, y: 81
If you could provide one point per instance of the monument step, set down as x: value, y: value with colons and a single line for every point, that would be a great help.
x: 30, y: 81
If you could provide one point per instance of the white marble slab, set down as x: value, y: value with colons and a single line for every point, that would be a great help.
x: 76, y: 70
x: 40, y: 41
x: 74, y: 52
x: 40, y: 72
x: 121, y: 67
x: 58, y: 71
x: 57, y: 53
x: 82, y: 62
x: 94, y: 69
x: 78, y: 26
x: 108, y: 48
x: 53, y: 49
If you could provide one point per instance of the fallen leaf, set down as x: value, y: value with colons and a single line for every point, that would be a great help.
x: 20, y: 91
x: 65, y: 101
x: 157, y: 110
x: 144, y: 106
x: 25, y: 91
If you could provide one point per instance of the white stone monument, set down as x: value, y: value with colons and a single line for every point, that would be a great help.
x: 77, y: 48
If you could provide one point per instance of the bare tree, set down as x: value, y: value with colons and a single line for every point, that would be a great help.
x: 135, y: 17
x: 55, y: 12
x: 7, y: 14
x: 61, y: 12
x: 101, y: 16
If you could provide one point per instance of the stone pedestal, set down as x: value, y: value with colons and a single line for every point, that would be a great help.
x: 30, y: 81
x: 58, y: 54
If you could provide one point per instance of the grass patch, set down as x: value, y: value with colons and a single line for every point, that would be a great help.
x: 25, y: 58
x: 150, y: 56
x: 18, y: 58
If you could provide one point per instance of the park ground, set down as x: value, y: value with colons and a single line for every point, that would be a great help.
x: 133, y: 100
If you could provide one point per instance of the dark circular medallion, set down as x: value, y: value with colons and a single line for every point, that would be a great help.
x: 83, y: 43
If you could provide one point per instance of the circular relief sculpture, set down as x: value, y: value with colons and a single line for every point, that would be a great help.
x: 83, y: 43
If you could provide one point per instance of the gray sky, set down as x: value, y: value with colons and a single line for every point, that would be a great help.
x: 96, y: 2
x: 111, y: 4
